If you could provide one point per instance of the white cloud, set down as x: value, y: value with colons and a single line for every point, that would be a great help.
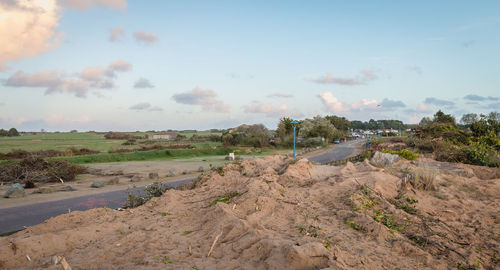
x: 364, y: 77
x: 145, y: 38
x: 86, y: 4
x: 270, y: 110
x: 332, y: 104
x: 205, y: 98
x: 423, y: 108
x: 27, y: 29
x: 145, y: 106
x: 57, y: 82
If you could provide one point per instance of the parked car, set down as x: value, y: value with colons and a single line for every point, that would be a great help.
x: 336, y: 141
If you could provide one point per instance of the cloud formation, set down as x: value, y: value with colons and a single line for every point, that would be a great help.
x: 364, y: 77
x: 78, y: 84
x: 145, y: 38
x: 438, y: 102
x: 116, y: 34
x: 473, y: 97
x: 27, y: 29
x: 86, y: 4
x: 143, y: 83
x: 270, y: 110
x: 388, y: 103
x: 332, y: 104
x: 204, y: 98
x: 416, y: 69
x: 280, y: 95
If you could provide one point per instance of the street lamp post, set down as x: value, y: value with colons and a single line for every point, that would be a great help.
x: 294, y: 123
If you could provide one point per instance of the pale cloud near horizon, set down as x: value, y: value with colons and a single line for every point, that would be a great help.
x: 270, y: 110
x: 143, y: 83
x: 96, y: 77
x: 474, y: 97
x: 86, y: 4
x: 116, y: 34
x: 364, y: 77
x: 27, y: 29
x: 331, y: 103
x: 145, y: 106
x: 280, y: 95
x: 438, y: 102
x: 207, y: 99
x: 145, y: 38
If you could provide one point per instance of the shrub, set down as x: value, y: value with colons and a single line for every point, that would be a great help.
x: 150, y: 191
x: 406, y: 154
x: 481, y: 154
x: 36, y: 169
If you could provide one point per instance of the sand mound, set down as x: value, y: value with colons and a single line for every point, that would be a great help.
x: 272, y: 213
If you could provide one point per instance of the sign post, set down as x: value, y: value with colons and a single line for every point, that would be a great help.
x: 294, y: 123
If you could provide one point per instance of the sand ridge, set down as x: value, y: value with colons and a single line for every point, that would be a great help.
x: 279, y: 214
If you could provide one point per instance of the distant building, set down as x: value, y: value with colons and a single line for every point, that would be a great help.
x: 163, y: 136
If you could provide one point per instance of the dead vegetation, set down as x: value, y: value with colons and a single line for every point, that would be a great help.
x: 33, y: 170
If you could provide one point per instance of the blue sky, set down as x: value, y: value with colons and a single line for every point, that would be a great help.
x: 138, y: 65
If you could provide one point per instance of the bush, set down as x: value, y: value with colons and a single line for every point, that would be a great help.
x: 481, y: 154
x: 423, y: 178
x: 150, y: 191
x: 404, y: 153
x: 309, y: 142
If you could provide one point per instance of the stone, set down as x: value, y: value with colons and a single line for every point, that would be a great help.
x: 136, y: 178
x: 201, y: 169
x: 384, y: 159
x: 153, y: 175
x: 68, y: 188
x: 171, y: 173
x: 114, y: 181
x: 230, y: 156
x: 97, y: 184
x: 15, y: 191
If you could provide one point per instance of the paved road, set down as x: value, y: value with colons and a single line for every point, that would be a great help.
x: 337, y: 152
x: 15, y: 218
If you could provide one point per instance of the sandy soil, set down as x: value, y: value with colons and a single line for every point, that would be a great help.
x: 282, y: 215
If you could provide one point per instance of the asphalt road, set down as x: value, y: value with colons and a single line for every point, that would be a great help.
x: 16, y: 218
x: 337, y: 152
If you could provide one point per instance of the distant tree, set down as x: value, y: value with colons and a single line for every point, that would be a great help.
x: 358, y: 124
x: 494, y: 116
x: 425, y: 121
x: 468, y: 119
x: 340, y: 123
x: 13, y: 132
x: 75, y: 131
x: 441, y: 117
x: 317, y: 127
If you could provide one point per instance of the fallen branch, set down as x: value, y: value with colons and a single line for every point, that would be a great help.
x: 213, y: 244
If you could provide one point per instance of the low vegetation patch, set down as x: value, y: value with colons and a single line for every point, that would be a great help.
x: 39, y: 170
x: 138, y: 198
x: 225, y: 198
x: 404, y: 153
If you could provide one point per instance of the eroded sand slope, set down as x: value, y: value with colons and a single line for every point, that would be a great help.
x: 284, y: 216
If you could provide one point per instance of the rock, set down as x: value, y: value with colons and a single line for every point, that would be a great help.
x: 15, y: 191
x: 68, y: 188
x: 185, y: 172
x: 153, y: 175
x: 114, y: 181
x: 230, y: 156
x: 97, y: 184
x: 201, y: 169
x: 171, y: 173
x: 384, y: 159
x: 136, y: 178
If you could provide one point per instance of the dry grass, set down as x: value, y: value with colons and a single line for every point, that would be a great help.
x: 423, y: 178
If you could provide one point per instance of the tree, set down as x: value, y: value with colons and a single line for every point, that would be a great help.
x: 468, y: 119
x: 441, y: 117
x: 425, y: 121
x: 340, y: 123
x: 13, y: 132
x: 317, y: 127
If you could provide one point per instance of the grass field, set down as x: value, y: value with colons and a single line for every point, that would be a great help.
x: 63, y: 141
x: 93, y: 141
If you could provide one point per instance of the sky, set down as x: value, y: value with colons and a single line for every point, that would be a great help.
x: 159, y: 64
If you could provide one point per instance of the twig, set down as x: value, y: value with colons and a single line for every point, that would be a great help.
x: 213, y: 244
